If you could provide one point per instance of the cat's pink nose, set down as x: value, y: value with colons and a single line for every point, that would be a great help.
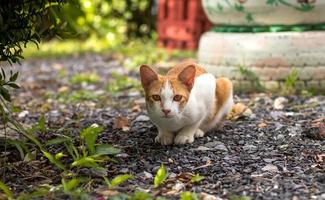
x: 166, y: 111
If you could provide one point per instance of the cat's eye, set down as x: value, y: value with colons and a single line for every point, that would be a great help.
x: 156, y: 97
x: 177, y: 97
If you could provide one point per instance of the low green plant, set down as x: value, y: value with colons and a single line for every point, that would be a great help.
x: 22, y: 147
x: 22, y: 22
x: 140, y: 195
x: 117, y: 180
x: 121, y: 82
x: 71, y: 188
x: 6, y: 190
x: 88, y: 154
x: 5, y: 84
x: 290, y: 82
x: 307, y: 93
x: 197, y: 178
x: 131, y: 54
x: 188, y: 196
x: 237, y: 197
x: 252, y: 77
x: 78, y: 96
x: 40, y: 125
x: 37, y: 193
x: 85, y: 78
x: 160, y: 176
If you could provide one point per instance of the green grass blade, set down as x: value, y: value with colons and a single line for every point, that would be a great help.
x: 6, y: 190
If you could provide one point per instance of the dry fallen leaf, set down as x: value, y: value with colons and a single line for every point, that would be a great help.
x: 46, y: 107
x: 121, y: 123
x: 270, y: 168
x: 279, y: 103
x: 205, y: 196
x: 63, y: 89
x: 262, y: 125
x: 238, y: 110
x: 136, y: 108
x: 107, y: 193
x: 184, y: 176
x: 178, y: 186
x: 320, y: 158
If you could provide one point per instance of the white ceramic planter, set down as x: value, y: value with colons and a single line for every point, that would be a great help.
x: 271, y: 56
x: 286, y: 49
x: 259, y: 12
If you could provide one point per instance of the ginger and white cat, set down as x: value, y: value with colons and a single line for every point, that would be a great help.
x: 186, y: 102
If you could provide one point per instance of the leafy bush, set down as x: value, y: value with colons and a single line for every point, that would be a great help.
x: 23, y: 21
x: 110, y: 19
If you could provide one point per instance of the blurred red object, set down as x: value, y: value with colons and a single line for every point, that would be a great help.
x: 181, y: 23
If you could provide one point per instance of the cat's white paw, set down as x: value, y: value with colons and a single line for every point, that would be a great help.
x: 183, y: 139
x: 164, y: 139
x: 199, y: 133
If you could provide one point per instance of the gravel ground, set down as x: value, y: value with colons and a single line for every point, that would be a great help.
x: 263, y: 153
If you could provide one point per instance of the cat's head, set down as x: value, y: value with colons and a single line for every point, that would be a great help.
x: 167, y: 96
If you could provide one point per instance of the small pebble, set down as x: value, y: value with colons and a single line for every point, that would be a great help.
x: 147, y: 175
x: 270, y: 168
x: 23, y: 114
x: 279, y: 103
x: 142, y: 118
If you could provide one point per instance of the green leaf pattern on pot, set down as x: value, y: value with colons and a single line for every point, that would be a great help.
x: 219, y: 6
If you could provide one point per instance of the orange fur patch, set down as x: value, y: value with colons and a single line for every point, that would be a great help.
x: 172, y: 77
x: 177, y: 69
x: 223, y: 91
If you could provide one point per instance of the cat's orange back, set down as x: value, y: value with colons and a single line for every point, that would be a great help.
x: 177, y: 69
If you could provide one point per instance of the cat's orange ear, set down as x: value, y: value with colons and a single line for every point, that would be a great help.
x: 187, y: 76
x: 147, y: 75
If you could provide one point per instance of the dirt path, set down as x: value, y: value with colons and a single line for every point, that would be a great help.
x: 267, y: 154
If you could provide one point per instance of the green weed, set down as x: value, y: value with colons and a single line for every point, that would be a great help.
x: 78, y: 96
x: 117, y: 180
x: 290, y: 82
x: 6, y: 190
x: 188, y: 196
x: 22, y: 147
x: 38, y: 192
x: 121, y: 82
x: 236, y: 197
x: 88, y: 154
x: 131, y: 54
x: 252, y: 77
x: 160, y: 176
x: 197, y: 178
x: 85, y: 78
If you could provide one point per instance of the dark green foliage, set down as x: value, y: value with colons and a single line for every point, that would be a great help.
x: 111, y: 19
x: 23, y: 21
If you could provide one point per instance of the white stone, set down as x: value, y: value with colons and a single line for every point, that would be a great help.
x: 279, y: 103
x: 205, y: 196
x: 270, y: 168
x: 142, y: 118
x: 23, y: 114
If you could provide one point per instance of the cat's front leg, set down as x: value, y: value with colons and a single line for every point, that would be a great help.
x: 186, y: 135
x: 164, y: 137
x: 199, y: 133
